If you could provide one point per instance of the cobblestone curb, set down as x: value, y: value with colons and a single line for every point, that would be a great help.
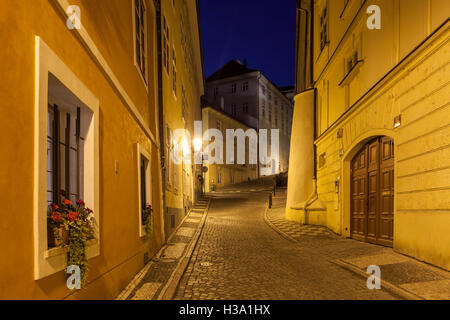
x: 169, y: 290
x: 160, y: 277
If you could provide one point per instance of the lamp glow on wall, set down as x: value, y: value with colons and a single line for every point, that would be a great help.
x: 198, y: 145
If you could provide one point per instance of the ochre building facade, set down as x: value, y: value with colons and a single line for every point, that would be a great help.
x: 99, y: 81
x: 370, y: 142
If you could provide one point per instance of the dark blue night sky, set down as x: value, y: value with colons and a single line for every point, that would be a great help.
x: 260, y: 31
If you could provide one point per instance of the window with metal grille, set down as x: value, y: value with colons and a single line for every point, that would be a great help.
x: 144, y: 163
x: 64, y: 155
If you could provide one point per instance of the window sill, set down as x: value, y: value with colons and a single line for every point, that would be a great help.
x: 55, y: 252
x: 142, y: 233
x: 322, y: 50
x: 141, y: 76
x: 351, y: 74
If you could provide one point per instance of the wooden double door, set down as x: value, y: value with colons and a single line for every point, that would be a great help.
x: 372, y: 190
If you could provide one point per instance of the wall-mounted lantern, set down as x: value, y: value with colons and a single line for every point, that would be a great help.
x: 336, y: 185
x: 397, y: 121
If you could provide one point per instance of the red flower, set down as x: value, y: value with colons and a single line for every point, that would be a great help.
x: 80, y: 203
x: 67, y: 202
x: 56, y: 217
x: 54, y: 206
x: 89, y: 211
x: 73, y: 216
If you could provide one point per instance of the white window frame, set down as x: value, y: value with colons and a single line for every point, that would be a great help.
x: 50, y: 261
x: 144, y: 77
x: 142, y: 152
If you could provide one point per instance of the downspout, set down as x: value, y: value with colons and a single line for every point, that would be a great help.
x: 160, y: 105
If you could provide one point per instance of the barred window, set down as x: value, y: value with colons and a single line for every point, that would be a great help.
x: 65, y: 155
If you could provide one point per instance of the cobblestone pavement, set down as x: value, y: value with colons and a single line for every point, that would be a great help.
x: 413, y: 278
x: 239, y: 256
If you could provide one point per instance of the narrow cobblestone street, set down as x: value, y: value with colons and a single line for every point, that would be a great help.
x: 239, y: 256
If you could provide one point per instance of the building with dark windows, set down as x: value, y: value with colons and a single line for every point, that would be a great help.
x: 250, y: 97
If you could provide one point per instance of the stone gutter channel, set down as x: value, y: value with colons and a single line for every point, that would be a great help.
x: 159, y: 279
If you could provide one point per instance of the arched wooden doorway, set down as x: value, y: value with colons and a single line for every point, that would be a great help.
x: 372, y: 190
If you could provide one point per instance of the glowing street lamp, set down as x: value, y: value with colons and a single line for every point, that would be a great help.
x: 198, y: 145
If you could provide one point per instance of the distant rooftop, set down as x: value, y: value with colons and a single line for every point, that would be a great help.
x: 286, y: 88
x: 231, y: 69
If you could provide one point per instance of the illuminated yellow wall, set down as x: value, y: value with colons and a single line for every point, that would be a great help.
x: 109, y: 25
x: 181, y: 16
x: 231, y: 173
x: 404, y: 71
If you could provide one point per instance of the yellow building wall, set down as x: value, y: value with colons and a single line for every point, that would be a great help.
x: 181, y: 16
x: 122, y: 250
x: 239, y: 172
x: 404, y: 72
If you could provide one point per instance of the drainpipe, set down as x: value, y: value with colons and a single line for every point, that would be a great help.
x: 160, y: 104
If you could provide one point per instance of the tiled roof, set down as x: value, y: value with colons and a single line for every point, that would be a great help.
x: 231, y: 69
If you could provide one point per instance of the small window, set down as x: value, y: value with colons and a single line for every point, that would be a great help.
x: 174, y: 72
x: 166, y: 45
x: 324, y: 28
x: 245, y: 107
x: 216, y: 92
x: 233, y: 88
x: 245, y: 86
x: 145, y: 188
x: 263, y: 111
x: 219, y: 178
x: 234, y: 110
x: 219, y: 125
x: 140, y: 31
